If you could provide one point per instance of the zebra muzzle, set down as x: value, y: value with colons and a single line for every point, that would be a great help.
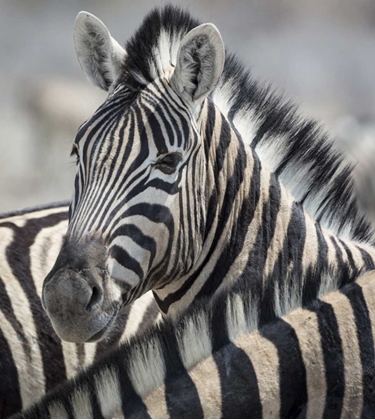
x: 74, y: 302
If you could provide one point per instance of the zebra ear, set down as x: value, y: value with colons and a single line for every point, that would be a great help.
x: 200, y: 62
x: 99, y: 55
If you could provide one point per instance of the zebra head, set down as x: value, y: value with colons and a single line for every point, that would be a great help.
x: 137, y: 217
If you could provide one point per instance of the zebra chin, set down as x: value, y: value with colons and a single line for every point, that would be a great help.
x: 79, y: 308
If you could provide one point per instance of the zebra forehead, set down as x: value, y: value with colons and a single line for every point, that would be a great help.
x: 154, y: 47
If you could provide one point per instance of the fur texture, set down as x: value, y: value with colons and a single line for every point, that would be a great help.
x: 33, y: 359
x: 296, y: 149
x: 184, y: 200
x: 314, y: 362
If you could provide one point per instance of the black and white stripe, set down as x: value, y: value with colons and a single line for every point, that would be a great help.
x: 33, y: 359
x: 255, y: 192
x: 315, y: 362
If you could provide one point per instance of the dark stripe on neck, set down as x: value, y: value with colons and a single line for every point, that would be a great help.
x: 238, y: 382
x: 254, y: 270
x: 333, y: 358
x: 353, y: 268
x: 132, y: 404
x: 10, y: 398
x: 289, y: 283
x: 35, y: 412
x: 237, y: 237
x: 292, y: 372
x: 367, y: 259
x: 231, y: 250
x: 366, y: 346
x: 343, y: 269
x: 296, y: 236
x: 177, y: 381
x: 314, y: 273
x: 239, y: 385
x: 94, y: 401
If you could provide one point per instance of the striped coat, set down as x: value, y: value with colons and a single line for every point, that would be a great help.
x: 314, y: 362
x: 33, y: 359
x: 192, y: 176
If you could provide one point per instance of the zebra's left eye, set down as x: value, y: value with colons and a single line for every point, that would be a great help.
x: 168, y: 164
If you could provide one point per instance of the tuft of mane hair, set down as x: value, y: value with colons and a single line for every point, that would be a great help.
x: 296, y: 149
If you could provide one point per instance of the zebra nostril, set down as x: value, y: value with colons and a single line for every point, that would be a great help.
x: 95, y: 300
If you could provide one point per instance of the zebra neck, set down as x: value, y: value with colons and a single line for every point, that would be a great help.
x: 256, y: 231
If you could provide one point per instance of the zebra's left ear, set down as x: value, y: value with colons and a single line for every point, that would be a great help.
x: 200, y: 62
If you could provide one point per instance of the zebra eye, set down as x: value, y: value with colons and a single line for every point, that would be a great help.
x: 168, y: 164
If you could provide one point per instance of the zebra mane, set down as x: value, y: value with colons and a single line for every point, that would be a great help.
x: 296, y: 149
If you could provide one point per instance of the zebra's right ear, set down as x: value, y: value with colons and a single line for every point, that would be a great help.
x: 99, y: 55
x: 200, y: 62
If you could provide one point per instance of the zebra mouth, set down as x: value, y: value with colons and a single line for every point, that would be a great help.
x: 100, y: 334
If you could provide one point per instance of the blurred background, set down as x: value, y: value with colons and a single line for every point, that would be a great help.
x: 321, y: 53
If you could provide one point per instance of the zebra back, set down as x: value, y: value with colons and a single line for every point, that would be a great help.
x: 314, y: 362
x: 33, y: 359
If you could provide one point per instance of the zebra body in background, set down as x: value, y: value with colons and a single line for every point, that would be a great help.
x: 33, y: 360
x: 315, y: 362
x: 190, y: 177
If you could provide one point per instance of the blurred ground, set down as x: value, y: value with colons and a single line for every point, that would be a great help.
x: 320, y: 52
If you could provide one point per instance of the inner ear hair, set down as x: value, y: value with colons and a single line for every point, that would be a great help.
x: 99, y: 55
x: 200, y: 62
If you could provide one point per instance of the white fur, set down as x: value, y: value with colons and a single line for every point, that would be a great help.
x: 136, y: 314
x: 147, y: 370
x: 57, y: 411
x: 236, y: 318
x: 161, y: 52
x: 191, y: 349
x: 108, y: 391
x: 82, y: 404
x: 223, y: 94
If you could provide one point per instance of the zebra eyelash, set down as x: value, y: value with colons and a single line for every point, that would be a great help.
x: 74, y: 153
x: 169, y: 162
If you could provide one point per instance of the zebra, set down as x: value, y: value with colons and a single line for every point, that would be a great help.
x: 192, y: 176
x: 33, y: 359
x: 315, y: 362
